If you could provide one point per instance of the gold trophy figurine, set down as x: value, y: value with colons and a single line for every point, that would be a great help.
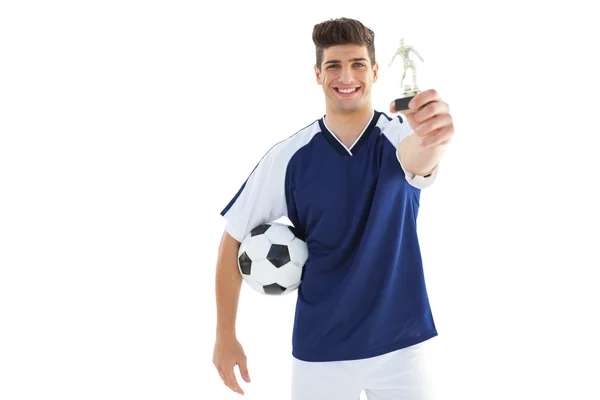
x: 401, y: 104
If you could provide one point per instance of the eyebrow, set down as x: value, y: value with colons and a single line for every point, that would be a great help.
x: 352, y: 60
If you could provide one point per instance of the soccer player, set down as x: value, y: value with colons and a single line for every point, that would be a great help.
x: 350, y: 182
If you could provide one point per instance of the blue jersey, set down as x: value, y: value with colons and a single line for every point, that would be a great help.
x: 363, y: 293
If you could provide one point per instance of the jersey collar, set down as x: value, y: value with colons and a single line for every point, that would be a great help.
x: 337, y: 144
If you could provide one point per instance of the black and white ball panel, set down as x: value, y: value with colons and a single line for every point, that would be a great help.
x: 272, y: 257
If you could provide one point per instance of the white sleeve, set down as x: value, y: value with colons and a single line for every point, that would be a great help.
x: 260, y: 199
x: 418, y: 181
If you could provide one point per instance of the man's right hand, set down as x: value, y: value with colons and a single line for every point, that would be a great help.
x: 228, y: 353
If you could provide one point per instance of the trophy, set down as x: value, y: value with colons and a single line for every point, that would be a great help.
x: 401, y: 104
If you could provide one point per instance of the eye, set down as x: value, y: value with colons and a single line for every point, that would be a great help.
x: 333, y: 66
x: 360, y: 64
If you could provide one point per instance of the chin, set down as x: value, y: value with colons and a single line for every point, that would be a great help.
x: 349, y: 107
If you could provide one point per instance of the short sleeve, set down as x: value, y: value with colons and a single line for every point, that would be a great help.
x: 398, y: 130
x: 261, y: 197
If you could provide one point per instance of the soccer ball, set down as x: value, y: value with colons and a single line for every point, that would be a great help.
x: 272, y: 257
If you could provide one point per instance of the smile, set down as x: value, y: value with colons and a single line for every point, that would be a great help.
x: 346, y: 91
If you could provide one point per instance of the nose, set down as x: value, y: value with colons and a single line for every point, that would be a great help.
x: 346, y: 76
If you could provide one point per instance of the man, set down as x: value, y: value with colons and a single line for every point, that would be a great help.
x: 350, y: 183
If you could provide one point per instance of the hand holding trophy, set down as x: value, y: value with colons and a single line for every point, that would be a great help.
x: 429, y: 115
x: 401, y: 104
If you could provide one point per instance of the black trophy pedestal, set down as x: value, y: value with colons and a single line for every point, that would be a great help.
x: 402, y: 103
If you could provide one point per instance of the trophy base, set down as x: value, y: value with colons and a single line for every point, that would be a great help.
x: 401, y: 104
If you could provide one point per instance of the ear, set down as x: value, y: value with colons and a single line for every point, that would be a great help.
x: 318, y: 74
x: 375, y: 72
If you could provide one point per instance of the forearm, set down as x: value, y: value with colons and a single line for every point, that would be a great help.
x: 417, y: 159
x: 228, y: 281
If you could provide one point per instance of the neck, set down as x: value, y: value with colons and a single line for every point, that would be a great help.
x: 348, y: 125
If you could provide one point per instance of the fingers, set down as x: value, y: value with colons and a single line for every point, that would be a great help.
x: 228, y: 377
x: 243, y: 365
x: 434, y: 123
x: 442, y: 135
x: 223, y: 377
x: 430, y: 117
x: 424, y: 105
x: 232, y: 383
x: 423, y: 98
x: 431, y: 110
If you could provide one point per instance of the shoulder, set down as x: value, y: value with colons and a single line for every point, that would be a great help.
x: 394, y: 127
x: 282, y: 151
x: 391, y: 121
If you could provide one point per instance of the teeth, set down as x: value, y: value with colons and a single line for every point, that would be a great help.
x: 347, y: 90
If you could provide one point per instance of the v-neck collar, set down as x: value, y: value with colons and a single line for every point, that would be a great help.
x: 337, y: 144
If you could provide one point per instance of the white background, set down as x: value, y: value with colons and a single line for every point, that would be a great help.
x: 126, y: 127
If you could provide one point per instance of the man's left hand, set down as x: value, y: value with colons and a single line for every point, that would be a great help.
x: 429, y: 116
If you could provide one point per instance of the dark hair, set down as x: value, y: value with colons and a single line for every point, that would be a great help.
x: 342, y: 31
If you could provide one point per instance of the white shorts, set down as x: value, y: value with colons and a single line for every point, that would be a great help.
x: 399, y: 375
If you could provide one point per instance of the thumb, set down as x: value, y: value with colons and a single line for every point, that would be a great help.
x: 244, y: 370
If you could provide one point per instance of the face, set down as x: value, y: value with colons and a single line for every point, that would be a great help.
x: 347, y: 77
